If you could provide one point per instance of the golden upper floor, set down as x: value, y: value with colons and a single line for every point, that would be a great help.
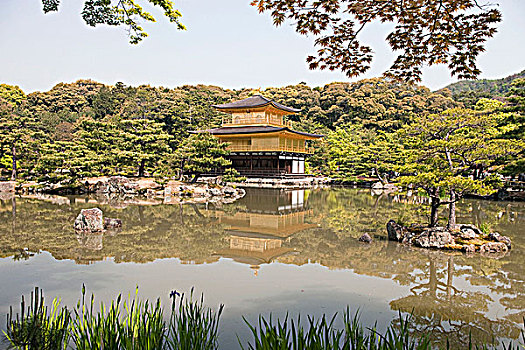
x: 254, y: 118
x: 270, y: 143
x: 255, y: 110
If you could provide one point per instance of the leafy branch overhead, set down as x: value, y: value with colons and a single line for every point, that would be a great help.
x: 426, y: 32
x: 126, y: 13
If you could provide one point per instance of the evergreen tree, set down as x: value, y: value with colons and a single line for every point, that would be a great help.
x: 516, y: 96
x: 515, y: 123
x: 202, y: 153
x: 355, y: 151
x: 12, y: 94
x: 66, y: 162
x: 141, y: 143
x: 99, y: 137
x: 232, y: 175
x: 19, y: 131
x: 451, y: 154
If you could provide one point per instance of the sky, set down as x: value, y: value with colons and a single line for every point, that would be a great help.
x: 228, y: 43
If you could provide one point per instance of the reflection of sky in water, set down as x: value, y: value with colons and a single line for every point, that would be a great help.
x: 307, y: 289
x: 272, y: 251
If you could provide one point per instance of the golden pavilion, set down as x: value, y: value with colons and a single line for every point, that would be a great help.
x: 261, y: 141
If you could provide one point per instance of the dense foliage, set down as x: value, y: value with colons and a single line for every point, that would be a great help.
x: 87, y: 128
x: 469, y: 92
x: 127, y: 13
x: 450, y: 32
x: 455, y: 152
x: 495, y: 87
x: 90, y: 129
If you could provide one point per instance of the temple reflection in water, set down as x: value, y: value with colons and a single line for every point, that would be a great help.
x: 268, y: 219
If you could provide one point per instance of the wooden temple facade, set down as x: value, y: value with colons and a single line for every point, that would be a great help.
x: 261, y: 142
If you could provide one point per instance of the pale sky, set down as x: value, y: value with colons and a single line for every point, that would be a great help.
x: 228, y: 43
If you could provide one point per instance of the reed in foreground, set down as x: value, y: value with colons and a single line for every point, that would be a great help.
x: 290, y: 334
x: 37, y: 326
x: 135, y: 324
x: 126, y: 325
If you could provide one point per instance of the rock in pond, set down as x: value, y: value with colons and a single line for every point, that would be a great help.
x: 365, y: 238
x: 469, y: 248
x: 112, y: 224
x: 496, y: 237
x: 435, y: 237
x: 467, y: 238
x: 469, y: 232
x: 493, y: 247
x: 395, y: 231
x: 89, y: 220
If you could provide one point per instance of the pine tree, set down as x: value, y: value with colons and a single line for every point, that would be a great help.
x: 451, y: 153
x: 19, y: 131
x: 203, y: 153
x: 141, y: 143
x: 355, y: 151
x: 66, y: 162
x: 101, y: 138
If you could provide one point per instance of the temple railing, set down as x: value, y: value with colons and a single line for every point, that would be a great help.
x: 256, y: 120
x: 256, y: 148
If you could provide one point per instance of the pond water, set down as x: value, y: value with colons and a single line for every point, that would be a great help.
x: 274, y: 251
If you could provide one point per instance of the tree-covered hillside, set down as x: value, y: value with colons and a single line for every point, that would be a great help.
x: 468, y: 92
x: 87, y: 128
x: 495, y: 87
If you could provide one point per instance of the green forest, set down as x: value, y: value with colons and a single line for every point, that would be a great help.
x: 87, y: 128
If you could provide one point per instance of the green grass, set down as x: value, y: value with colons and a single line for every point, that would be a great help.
x: 289, y: 334
x: 192, y: 325
x: 136, y: 324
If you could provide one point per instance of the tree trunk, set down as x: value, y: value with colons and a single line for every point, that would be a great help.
x: 195, y: 177
x: 452, y: 211
x: 141, y: 167
x: 434, y: 211
x: 13, y: 211
x: 383, y: 180
x: 434, y: 205
x: 13, y: 174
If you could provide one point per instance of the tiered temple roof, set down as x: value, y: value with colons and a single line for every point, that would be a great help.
x: 254, y: 102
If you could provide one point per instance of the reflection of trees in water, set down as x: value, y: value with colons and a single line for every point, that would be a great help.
x: 350, y: 212
x: 506, y: 276
x: 448, y: 313
x: 150, y: 232
x: 192, y: 233
x: 439, y: 306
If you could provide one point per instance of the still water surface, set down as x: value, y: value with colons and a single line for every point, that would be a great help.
x: 273, y: 251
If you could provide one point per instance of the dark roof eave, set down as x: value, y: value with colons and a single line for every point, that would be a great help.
x: 253, y: 130
x: 255, y: 102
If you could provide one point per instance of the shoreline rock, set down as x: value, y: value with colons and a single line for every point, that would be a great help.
x: 365, y: 238
x: 165, y: 191
x: 112, y: 224
x: 89, y: 221
x: 465, y: 237
x: 7, y: 186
